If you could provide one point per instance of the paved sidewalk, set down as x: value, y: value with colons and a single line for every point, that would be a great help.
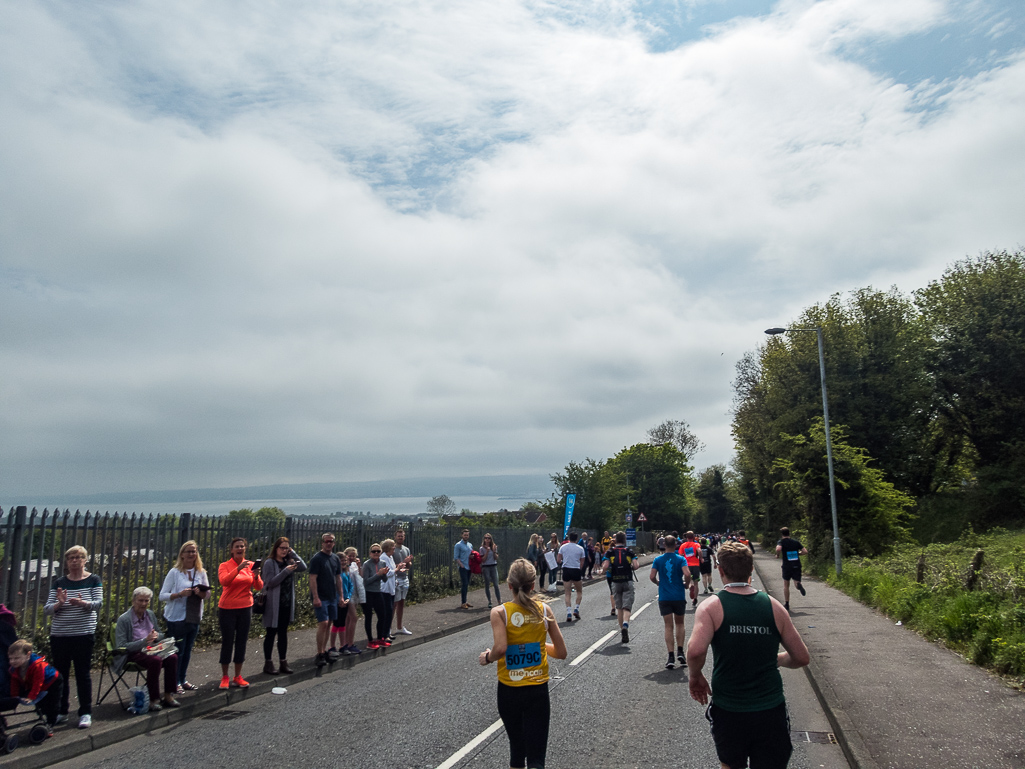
x: 427, y: 621
x: 897, y: 701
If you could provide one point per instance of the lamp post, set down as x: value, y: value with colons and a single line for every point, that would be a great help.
x: 829, y: 442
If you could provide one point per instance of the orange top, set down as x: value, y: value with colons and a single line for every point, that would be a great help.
x: 237, y: 586
x: 691, y: 551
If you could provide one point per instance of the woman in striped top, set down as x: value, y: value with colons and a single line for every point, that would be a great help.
x: 74, y: 603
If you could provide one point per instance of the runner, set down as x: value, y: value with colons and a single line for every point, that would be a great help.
x: 745, y: 628
x: 691, y: 550
x: 520, y: 628
x: 621, y: 565
x: 791, y: 551
x: 669, y: 571
x: 571, y: 557
x: 707, y: 561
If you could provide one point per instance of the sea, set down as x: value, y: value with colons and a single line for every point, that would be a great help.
x: 385, y: 507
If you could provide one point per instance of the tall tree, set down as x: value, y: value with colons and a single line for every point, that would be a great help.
x: 976, y: 317
x: 676, y: 432
x: 441, y: 505
x: 660, y: 482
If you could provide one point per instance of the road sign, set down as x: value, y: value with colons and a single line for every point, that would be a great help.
x: 631, y: 537
x: 642, y: 518
x: 629, y: 517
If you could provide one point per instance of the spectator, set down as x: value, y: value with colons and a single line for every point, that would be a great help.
x: 339, y: 629
x: 535, y: 548
x: 278, y: 572
x: 325, y: 588
x: 375, y: 572
x: 238, y: 578
x: 388, y: 586
x: 401, y: 556
x: 136, y: 630
x: 74, y: 602
x: 359, y: 597
x: 461, y: 555
x: 489, y: 567
x: 185, y: 588
x: 33, y: 682
x: 520, y: 629
x: 554, y: 574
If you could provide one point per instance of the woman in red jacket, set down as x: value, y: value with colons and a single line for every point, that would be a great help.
x: 238, y: 578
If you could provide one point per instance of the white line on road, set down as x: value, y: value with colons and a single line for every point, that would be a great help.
x: 597, y: 644
x: 592, y: 648
x: 465, y: 750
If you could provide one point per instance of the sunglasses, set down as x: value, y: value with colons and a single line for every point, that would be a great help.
x: 374, y: 552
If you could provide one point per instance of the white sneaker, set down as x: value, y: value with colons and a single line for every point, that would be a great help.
x: 85, y: 722
x: 403, y: 631
x: 62, y: 718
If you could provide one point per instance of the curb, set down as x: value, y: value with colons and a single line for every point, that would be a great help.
x: 847, y: 735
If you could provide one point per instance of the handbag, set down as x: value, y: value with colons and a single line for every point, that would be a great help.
x: 259, y: 602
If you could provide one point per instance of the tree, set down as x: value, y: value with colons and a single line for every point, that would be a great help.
x: 441, y: 505
x: 676, y: 432
x: 872, y: 513
x: 976, y: 318
x: 716, y: 511
x: 601, y: 495
x: 271, y: 515
x: 660, y: 484
x: 242, y: 514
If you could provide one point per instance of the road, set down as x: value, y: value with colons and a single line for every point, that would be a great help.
x: 427, y: 707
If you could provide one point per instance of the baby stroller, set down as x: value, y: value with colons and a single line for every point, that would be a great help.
x: 39, y: 730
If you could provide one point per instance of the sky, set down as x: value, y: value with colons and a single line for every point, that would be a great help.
x: 337, y: 241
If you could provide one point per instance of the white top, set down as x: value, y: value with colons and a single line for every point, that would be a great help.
x: 358, y: 590
x: 175, y: 582
x: 572, y: 555
x: 388, y: 583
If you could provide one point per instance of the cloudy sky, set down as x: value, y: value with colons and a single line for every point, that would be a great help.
x: 325, y: 241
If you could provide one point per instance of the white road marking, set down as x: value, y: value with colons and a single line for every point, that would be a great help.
x: 593, y: 648
x: 464, y: 751
x: 597, y: 644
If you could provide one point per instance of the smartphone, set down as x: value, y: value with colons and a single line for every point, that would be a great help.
x: 256, y: 563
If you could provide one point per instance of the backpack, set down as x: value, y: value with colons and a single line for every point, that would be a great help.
x: 475, y: 562
x: 619, y: 565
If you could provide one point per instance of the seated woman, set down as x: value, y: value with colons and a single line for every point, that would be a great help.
x: 137, y: 629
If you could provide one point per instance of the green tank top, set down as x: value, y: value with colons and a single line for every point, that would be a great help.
x: 745, y: 676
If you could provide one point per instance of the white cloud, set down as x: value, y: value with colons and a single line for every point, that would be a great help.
x: 349, y: 242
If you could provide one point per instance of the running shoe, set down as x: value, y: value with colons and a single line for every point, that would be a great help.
x: 355, y: 649
x: 803, y: 591
x: 373, y: 645
x: 384, y: 642
x: 85, y: 721
x: 62, y: 718
x: 626, y: 635
x: 569, y: 617
x: 320, y: 661
x: 612, y: 613
x: 787, y: 606
x: 332, y: 654
x: 695, y: 602
x: 576, y: 613
x: 671, y: 662
x: 404, y: 631
x: 489, y: 604
x: 239, y: 681
x: 226, y: 682
x: 679, y: 656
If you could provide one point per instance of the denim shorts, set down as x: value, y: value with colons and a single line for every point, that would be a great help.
x: 327, y: 611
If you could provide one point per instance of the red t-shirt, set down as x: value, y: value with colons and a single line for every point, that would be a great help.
x: 692, y: 552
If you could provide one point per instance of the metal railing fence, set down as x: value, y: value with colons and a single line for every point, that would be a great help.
x: 129, y: 550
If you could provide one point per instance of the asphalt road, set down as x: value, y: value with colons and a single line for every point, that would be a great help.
x: 427, y: 707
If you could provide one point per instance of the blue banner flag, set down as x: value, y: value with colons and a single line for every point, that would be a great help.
x: 571, y: 500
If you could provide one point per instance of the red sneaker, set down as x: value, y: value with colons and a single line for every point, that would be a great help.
x: 240, y: 682
x: 224, y: 683
x: 373, y: 645
x: 384, y: 642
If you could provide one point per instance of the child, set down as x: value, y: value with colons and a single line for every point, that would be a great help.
x: 32, y: 681
x: 338, y: 647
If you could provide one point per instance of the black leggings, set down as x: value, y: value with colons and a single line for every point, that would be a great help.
x: 375, y: 603
x: 281, y: 631
x: 74, y: 650
x: 234, y: 633
x: 525, y: 712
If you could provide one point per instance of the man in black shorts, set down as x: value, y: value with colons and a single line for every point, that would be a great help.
x: 790, y: 550
x: 745, y: 628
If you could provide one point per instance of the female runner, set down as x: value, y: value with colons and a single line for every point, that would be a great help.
x: 521, y: 628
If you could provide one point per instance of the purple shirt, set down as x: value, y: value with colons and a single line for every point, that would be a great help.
x: 141, y: 627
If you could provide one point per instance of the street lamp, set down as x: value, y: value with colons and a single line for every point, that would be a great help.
x: 829, y: 442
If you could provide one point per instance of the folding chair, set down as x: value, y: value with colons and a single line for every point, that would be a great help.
x: 107, y: 668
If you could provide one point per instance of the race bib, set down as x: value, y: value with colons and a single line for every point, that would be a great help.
x: 523, y: 656
x: 793, y: 555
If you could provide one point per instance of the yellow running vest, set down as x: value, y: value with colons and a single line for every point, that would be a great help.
x: 526, y: 657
